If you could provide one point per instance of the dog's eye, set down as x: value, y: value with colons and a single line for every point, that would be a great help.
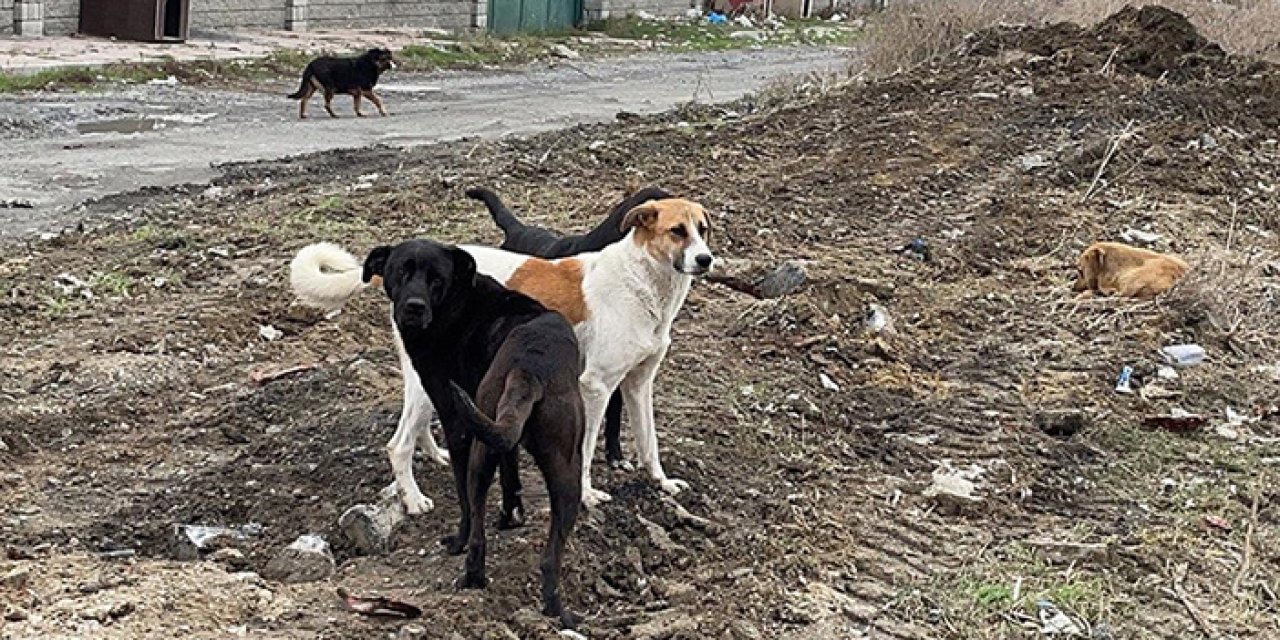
x: 679, y: 232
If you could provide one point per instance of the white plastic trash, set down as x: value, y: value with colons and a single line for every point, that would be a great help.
x: 1183, y: 355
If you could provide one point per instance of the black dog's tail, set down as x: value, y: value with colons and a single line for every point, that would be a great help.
x: 506, y: 220
x: 519, y: 394
x: 307, y: 74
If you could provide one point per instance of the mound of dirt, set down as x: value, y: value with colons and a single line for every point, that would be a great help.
x: 1152, y: 41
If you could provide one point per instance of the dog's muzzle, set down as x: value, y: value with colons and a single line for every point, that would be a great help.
x: 413, y: 313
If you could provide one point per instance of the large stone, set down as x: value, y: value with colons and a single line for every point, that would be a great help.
x: 368, y: 527
x: 308, y: 559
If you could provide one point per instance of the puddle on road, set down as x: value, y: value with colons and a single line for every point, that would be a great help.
x: 121, y: 125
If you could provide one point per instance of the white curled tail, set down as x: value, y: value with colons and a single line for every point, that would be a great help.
x: 325, y: 275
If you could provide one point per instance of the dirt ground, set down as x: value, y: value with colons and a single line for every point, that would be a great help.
x: 128, y: 405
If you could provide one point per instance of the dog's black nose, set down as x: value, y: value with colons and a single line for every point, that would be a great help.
x: 415, y: 306
x: 703, y: 260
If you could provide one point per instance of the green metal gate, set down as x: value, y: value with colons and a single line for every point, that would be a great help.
x: 510, y: 16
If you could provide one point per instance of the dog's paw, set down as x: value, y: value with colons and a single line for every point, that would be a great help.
x: 673, y: 486
x: 416, y: 505
x: 568, y: 619
x: 454, y: 545
x: 512, y: 520
x: 593, y: 497
x: 472, y: 581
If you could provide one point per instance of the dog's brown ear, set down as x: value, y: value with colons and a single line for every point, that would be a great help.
x: 1090, y: 266
x: 376, y: 264
x: 641, y: 216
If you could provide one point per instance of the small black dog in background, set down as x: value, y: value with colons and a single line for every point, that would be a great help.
x: 354, y: 76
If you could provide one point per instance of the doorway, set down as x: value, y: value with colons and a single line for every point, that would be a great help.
x: 172, y: 19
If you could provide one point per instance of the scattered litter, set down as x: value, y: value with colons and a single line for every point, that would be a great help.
x: 1178, y: 421
x: 1168, y: 485
x: 749, y: 35
x: 1183, y: 355
x: 190, y: 540
x: 1138, y: 236
x: 745, y: 21
x: 877, y: 320
x: 1054, y: 622
x: 1122, y: 383
x: 378, y: 606
x: 917, y: 249
x: 692, y: 14
x: 1033, y: 161
x: 270, y: 333
x: 365, y: 182
x: 1165, y: 372
x: 716, y: 18
x: 1208, y: 142
x: 563, y: 51
x: 836, y: 17
x: 597, y: 145
x: 263, y: 377
x: 170, y: 81
x: 828, y: 383
x: 1217, y: 522
x: 1227, y: 432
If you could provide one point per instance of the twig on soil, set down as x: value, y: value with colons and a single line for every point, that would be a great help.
x: 1181, y: 595
x: 1248, y: 544
x: 1106, y: 66
x: 1111, y: 152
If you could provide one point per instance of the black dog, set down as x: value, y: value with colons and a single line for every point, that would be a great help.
x: 545, y: 243
x: 467, y: 334
x: 355, y: 76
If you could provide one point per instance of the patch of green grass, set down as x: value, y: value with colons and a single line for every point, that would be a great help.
x: 58, y: 306
x: 683, y: 35
x: 993, y: 595
x: 113, y: 283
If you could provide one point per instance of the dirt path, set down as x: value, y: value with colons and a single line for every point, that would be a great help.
x: 66, y: 148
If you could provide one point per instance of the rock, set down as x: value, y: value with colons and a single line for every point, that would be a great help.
x: 16, y: 614
x: 368, y: 527
x: 786, y: 278
x: 758, y: 36
x: 562, y: 51
x: 1208, y: 142
x: 306, y: 560
x: 230, y: 556
x: 411, y: 632
x: 105, y: 612
x: 1138, y: 236
x: 530, y: 623
x: 16, y: 579
x: 269, y: 333
x: 951, y: 491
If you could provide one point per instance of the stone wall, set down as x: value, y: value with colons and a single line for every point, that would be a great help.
x: 442, y: 14
x: 221, y: 15
x: 601, y: 9
x: 6, y: 17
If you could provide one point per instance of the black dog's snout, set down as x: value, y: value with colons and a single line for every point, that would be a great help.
x: 703, y: 260
x: 415, y: 306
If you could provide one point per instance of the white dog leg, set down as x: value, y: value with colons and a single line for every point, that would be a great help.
x: 637, y: 390
x: 414, y: 429
x: 595, y: 398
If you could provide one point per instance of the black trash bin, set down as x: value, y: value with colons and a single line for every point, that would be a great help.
x: 140, y: 20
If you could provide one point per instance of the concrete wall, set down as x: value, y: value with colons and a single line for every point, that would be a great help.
x: 6, y: 17
x: 601, y: 9
x: 442, y: 14
x: 220, y: 15
x: 62, y: 17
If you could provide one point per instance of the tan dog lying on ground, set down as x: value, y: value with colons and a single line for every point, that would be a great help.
x: 1111, y: 268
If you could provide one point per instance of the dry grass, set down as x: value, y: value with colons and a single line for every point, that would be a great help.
x: 1226, y: 298
x: 914, y: 31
